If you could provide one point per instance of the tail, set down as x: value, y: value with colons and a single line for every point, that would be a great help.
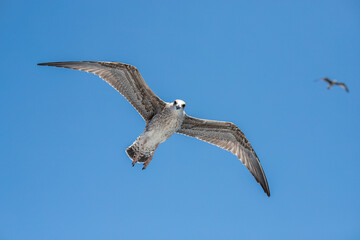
x: 133, y: 150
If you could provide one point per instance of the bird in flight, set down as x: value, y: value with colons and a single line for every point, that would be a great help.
x: 334, y: 82
x: 163, y: 119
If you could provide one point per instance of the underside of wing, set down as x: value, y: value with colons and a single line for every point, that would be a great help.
x: 126, y: 79
x: 228, y: 136
x: 343, y: 86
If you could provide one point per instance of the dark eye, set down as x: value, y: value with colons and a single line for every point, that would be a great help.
x: 183, y: 105
x: 174, y: 102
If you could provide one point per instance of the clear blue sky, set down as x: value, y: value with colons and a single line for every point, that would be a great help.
x: 63, y: 169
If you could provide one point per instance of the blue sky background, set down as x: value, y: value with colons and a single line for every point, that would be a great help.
x: 63, y: 169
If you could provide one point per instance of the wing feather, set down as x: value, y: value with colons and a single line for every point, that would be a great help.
x: 326, y: 80
x: 228, y: 136
x: 126, y: 79
x: 343, y: 86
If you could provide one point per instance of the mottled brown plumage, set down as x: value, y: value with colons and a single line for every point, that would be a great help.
x: 228, y: 136
x: 126, y: 79
x: 164, y: 119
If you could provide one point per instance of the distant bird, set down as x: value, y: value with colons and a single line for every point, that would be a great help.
x: 334, y: 82
x: 163, y: 119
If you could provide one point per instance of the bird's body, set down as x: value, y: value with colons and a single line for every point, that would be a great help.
x: 334, y: 83
x: 158, y: 130
x: 163, y: 119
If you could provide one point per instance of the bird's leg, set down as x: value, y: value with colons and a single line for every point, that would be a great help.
x: 146, y: 163
x: 137, y: 154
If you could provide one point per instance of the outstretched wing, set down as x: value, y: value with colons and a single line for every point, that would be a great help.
x: 126, y: 79
x: 228, y: 136
x: 326, y: 80
x: 343, y: 86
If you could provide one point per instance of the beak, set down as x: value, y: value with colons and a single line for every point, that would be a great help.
x: 177, y: 107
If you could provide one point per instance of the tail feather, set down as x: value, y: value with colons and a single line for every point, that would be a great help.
x: 133, y: 150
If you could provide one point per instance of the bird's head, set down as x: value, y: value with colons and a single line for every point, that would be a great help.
x: 179, y: 104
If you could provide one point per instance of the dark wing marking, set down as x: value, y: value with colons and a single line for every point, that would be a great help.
x: 228, y: 136
x: 343, y: 86
x: 326, y: 80
x: 126, y: 79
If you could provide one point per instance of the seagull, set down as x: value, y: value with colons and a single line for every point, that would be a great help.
x: 163, y: 119
x: 334, y: 82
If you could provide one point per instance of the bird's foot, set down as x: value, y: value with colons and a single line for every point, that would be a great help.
x: 135, y: 159
x: 146, y: 163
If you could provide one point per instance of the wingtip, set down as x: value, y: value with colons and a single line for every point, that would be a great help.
x: 44, y: 64
x: 264, y: 183
x: 54, y: 64
x: 268, y: 193
x: 266, y: 190
x: 265, y: 186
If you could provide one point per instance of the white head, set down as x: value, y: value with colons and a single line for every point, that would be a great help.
x: 179, y: 104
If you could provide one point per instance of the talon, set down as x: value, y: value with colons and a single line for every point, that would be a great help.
x: 146, y: 163
x: 135, y: 160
